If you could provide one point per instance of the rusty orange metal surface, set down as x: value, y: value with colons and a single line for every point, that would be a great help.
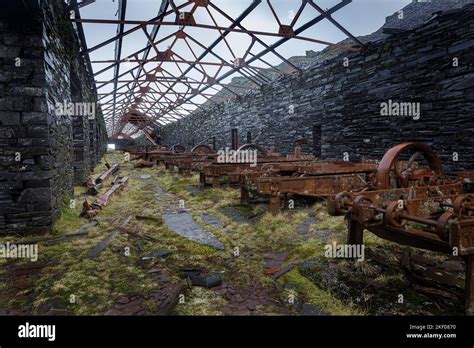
x: 415, y: 206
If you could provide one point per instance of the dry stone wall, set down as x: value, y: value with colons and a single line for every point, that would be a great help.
x: 43, y: 153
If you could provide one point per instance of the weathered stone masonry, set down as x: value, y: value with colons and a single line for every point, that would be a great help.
x: 413, y: 66
x: 42, y: 154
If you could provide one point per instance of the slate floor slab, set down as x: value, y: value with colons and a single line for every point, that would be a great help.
x: 184, y: 225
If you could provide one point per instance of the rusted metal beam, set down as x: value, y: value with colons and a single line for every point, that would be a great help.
x: 257, y: 56
x: 91, y: 210
x: 85, y: 3
x: 336, y: 23
x: 94, y: 185
x: 164, y: 98
x: 211, y: 27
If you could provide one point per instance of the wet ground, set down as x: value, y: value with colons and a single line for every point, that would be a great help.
x: 196, y: 251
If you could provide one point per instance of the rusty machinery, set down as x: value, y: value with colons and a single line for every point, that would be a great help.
x: 151, y: 155
x: 170, y: 158
x: 146, y: 155
x: 200, y: 156
x: 147, y: 152
x: 204, y: 156
x: 313, y: 179
x: 176, y: 156
x: 233, y: 171
x: 205, y: 160
x: 416, y: 206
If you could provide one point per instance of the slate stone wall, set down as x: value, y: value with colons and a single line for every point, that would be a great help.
x: 345, y: 102
x: 42, y: 153
x: 120, y: 144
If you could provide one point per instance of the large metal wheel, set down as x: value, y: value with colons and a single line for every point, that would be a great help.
x: 443, y: 225
x: 202, y: 149
x: 393, y: 172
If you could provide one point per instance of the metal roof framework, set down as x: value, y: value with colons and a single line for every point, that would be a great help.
x: 166, y: 83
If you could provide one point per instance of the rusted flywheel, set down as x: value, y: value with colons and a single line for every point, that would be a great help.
x: 202, y: 149
x: 391, y: 163
x: 463, y: 206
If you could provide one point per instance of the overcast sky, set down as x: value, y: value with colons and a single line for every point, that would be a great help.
x: 360, y: 17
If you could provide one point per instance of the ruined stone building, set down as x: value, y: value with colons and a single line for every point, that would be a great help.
x: 333, y: 106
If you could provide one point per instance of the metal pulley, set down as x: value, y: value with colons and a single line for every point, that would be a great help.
x: 392, y: 216
x: 338, y: 205
x: 463, y: 206
x: 443, y: 225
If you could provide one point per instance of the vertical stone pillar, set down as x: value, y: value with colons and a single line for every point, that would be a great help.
x: 25, y: 162
x: 94, y: 143
x: 82, y: 161
x: 42, y: 149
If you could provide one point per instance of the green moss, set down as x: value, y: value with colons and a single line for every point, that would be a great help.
x: 97, y: 284
x: 200, y: 301
x: 319, y: 297
x: 69, y: 219
x: 328, y: 222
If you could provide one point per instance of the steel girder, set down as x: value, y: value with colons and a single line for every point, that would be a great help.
x: 168, y: 84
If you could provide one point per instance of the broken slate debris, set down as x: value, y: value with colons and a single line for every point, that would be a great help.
x: 194, y: 190
x: 305, y: 226
x: 212, y: 220
x: 285, y: 269
x: 309, y: 309
x: 236, y: 214
x: 197, y: 278
x: 94, y: 252
x: 184, y: 225
x: 156, y: 254
x: 275, y: 259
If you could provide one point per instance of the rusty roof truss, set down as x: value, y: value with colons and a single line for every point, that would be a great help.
x: 150, y: 95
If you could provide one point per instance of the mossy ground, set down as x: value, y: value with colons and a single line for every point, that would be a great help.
x: 95, y: 285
